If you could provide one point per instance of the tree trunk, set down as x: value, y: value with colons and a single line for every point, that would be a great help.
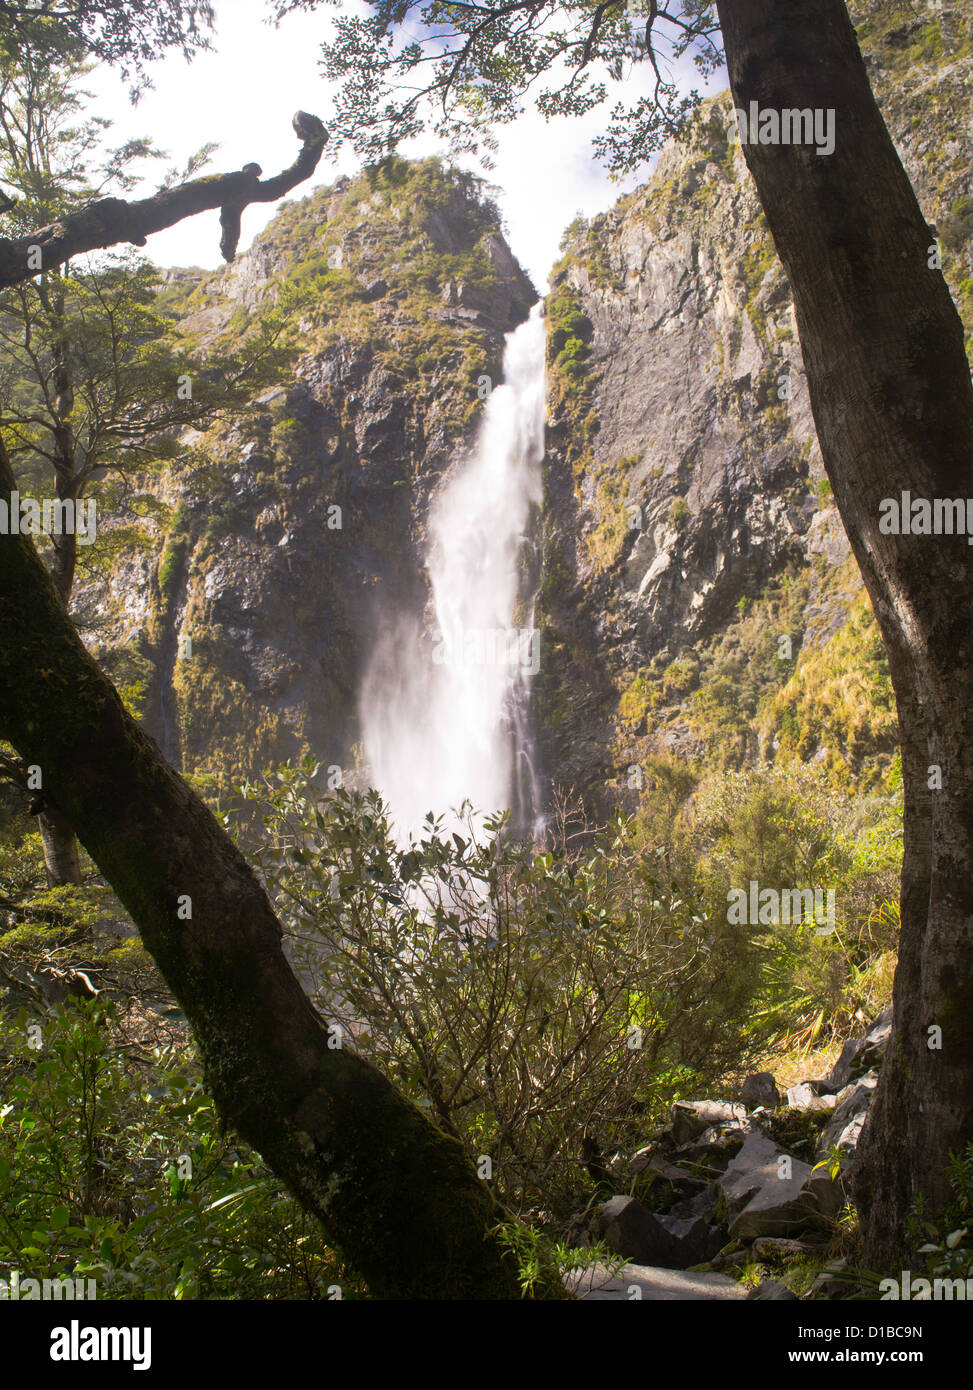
x: 395, y: 1193
x: 61, y: 858
x: 892, y: 399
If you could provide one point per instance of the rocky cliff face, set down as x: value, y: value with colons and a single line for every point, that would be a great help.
x: 697, y: 571
x: 698, y: 599
x: 241, y: 623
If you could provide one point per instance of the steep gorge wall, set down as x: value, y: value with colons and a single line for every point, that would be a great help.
x: 699, y: 598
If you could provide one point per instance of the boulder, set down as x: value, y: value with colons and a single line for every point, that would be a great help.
x: 630, y: 1229
x: 712, y: 1151
x: 827, y: 1193
x: 704, y: 1204
x: 840, y: 1073
x: 802, y: 1097
x: 691, y: 1118
x: 783, y: 1247
x: 699, y: 1239
x: 760, y: 1090
x: 759, y: 1201
x: 875, y: 1042
x: 657, y: 1165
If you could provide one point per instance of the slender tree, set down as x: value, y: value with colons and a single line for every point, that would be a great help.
x: 94, y: 390
x: 890, y: 390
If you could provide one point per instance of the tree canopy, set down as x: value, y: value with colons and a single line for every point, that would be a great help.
x: 461, y: 68
x: 125, y: 33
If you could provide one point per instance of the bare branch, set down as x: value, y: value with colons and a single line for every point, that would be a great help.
x: 110, y: 221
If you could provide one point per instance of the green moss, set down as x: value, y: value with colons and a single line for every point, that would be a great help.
x: 957, y: 228
x: 636, y: 700
x: 224, y: 731
x: 681, y: 677
x: 34, y: 939
x: 679, y: 513
x: 606, y: 543
x: 569, y: 334
x: 289, y: 439
x: 798, y: 1131
x: 757, y: 263
x: 132, y: 674
x: 171, y: 563
x: 839, y: 699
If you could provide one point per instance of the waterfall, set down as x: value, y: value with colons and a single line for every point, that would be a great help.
x: 444, y: 708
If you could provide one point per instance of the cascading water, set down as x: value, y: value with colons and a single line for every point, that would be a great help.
x: 445, y: 713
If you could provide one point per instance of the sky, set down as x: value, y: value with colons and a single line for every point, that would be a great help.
x: 243, y: 95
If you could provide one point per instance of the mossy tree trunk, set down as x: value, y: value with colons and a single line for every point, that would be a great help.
x: 397, y: 1195
x: 890, y: 390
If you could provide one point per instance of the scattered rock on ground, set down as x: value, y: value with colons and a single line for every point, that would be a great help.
x: 846, y: 1124
x: 759, y: 1200
x: 691, y: 1118
x: 632, y: 1230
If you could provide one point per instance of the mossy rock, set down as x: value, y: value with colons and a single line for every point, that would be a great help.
x: 797, y: 1130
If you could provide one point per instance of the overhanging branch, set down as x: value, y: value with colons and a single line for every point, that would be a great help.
x: 111, y: 221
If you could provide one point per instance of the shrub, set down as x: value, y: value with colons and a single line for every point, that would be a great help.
x: 542, y: 1007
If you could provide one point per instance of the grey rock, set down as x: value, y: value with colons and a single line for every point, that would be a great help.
x: 698, y: 1238
x: 758, y: 1200
x: 801, y: 1097
x: 704, y: 1203
x: 709, y: 1155
x: 760, y: 1090
x: 875, y: 1042
x: 636, y: 1282
x: 827, y: 1193
x: 846, y: 1124
x: 840, y: 1073
x: 783, y: 1247
x: 860, y: 1055
x: 691, y: 1118
x: 630, y: 1229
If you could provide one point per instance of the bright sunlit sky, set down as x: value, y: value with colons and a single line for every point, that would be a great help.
x: 244, y: 93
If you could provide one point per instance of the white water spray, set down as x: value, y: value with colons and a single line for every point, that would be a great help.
x: 444, y: 714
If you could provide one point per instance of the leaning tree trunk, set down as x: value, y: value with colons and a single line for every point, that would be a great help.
x: 397, y: 1195
x: 892, y: 399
